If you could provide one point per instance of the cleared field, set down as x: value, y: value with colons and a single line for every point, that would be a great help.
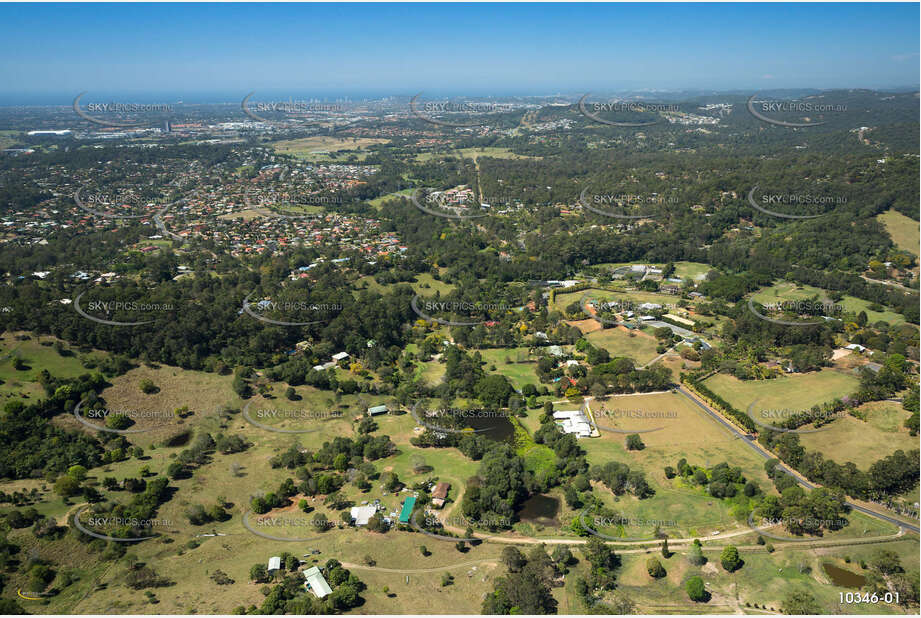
x: 671, y: 427
x: 376, y: 202
x: 785, y: 291
x: 789, y: 391
x: 620, y: 341
x: 764, y: 579
x: 22, y: 383
x: 494, y: 152
x: 691, y: 270
x: 904, y: 230
x: 514, y: 363
x: 426, y: 284
x: 308, y: 147
x: 431, y: 372
x: 562, y: 300
x: 202, y: 392
x: 474, y: 153
x: 9, y: 138
x: 683, y: 270
x: 863, y: 442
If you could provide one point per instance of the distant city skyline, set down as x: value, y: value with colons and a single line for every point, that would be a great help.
x: 218, y: 52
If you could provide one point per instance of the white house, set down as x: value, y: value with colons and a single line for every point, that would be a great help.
x: 340, y: 356
x: 316, y: 583
x: 575, y: 422
x: 361, y: 514
x: 274, y: 563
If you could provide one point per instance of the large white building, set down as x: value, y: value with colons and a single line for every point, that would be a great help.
x: 575, y: 422
x: 316, y: 583
x: 361, y: 514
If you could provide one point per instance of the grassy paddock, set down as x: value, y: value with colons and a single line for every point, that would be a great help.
x: 903, y: 230
x: 863, y: 442
x: 787, y: 392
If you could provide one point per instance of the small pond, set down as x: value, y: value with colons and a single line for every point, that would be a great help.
x: 497, y: 428
x: 843, y: 577
x: 541, y: 510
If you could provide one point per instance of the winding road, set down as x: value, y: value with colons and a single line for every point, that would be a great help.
x: 750, y: 441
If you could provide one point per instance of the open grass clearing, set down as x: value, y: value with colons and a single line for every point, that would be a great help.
x: 671, y: 427
x: 620, y: 341
x: 516, y: 364
x: 308, y: 147
x: 904, y: 231
x: 863, y: 442
x: 795, y: 391
x: 785, y: 291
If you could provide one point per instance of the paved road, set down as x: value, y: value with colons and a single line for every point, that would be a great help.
x: 750, y: 441
x: 889, y: 283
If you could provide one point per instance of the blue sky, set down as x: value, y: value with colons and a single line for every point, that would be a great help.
x: 183, y: 49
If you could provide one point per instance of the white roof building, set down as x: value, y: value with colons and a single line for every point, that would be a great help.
x: 316, y: 583
x: 274, y: 563
x: 575, y: 422
x: 361, y: 514
x: 340, y: 356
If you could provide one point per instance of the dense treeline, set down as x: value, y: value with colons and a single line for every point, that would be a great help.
x: 199, y: 323
x: 32, y: 446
